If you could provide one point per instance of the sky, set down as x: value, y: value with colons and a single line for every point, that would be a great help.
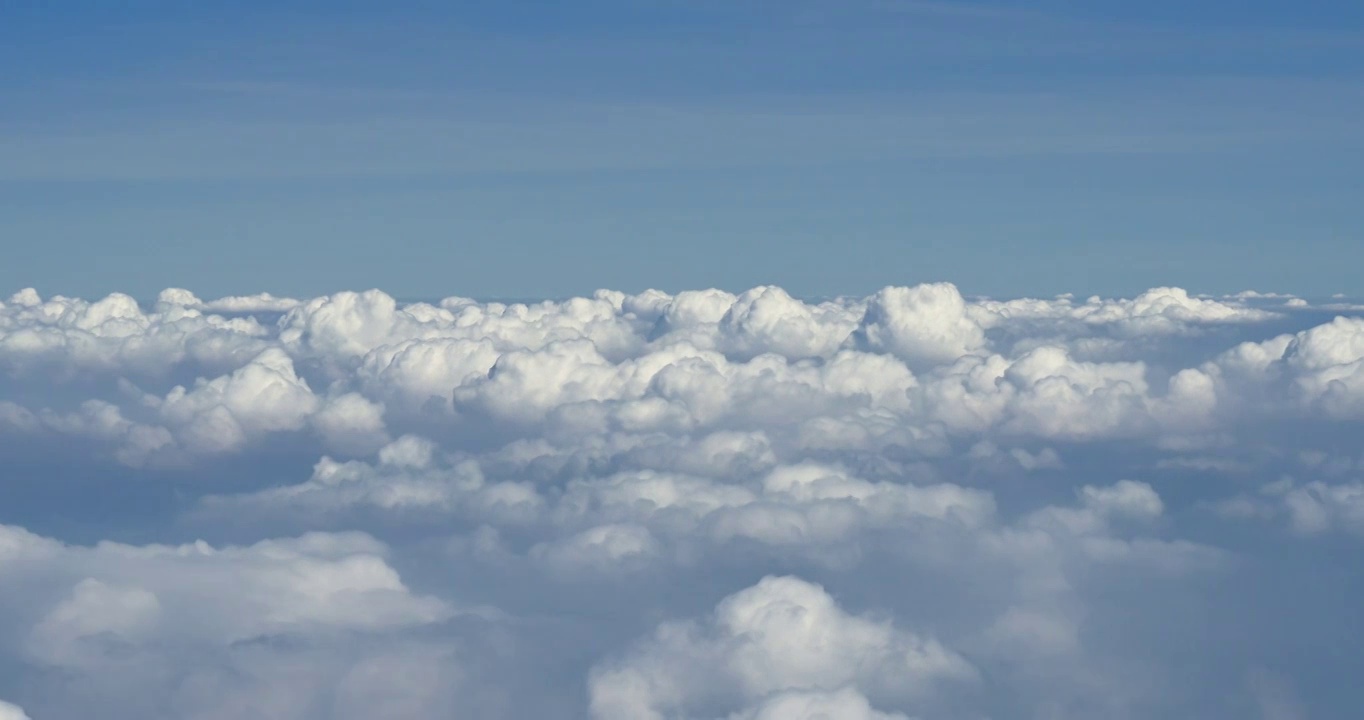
x: 665, y: 360
x: 540, y: 149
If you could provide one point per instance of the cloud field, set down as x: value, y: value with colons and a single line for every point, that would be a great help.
x: 692, y: 506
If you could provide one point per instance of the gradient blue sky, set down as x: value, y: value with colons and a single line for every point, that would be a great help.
x: 550, y: 148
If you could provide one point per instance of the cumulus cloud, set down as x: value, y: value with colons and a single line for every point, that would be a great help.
x: 1311, y: 508
x: 198, y: 593
x: 703, y: 504
x: 67, y: 337
x: 168, y: 622
x: 925, y: 325
x: 1157, y: 311
x: 348, y: 365
x: 264, y: 395
x: 764, y: 645
x: 632, y: 516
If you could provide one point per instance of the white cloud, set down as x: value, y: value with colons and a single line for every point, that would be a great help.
x: 925, y: 325
x: 625, y: 520
x: 1328, y: 364
x: 1311, y: 508
x: 222, y: 414
x: 351, y: 423
x: 157, y: 626
x: 768, y: 320
x: 588, y: 469
x: 781, y: 635
x: 200, y: 594
x: 1044, y: 393
x: 655, y: 362
x: 262, y: 302
x: 604, y: 548
x: 67, y: 337
x: 1157, y: 311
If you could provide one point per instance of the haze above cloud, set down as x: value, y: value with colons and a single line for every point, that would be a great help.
x: 828, y: 147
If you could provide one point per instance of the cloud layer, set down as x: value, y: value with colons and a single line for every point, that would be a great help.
x: 701, y: 505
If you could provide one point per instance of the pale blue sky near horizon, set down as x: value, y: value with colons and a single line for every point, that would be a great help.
x: 543, y: 149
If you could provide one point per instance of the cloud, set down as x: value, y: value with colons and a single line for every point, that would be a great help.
x: 68, y: 337
x: 351, y: 423
x: 222, y: 414
x: 167, y: 623
x: 198, y: 593
x: 259, y: 303
x: 781, y: 635
x: 1157, y: 311
x: 924, y: 325
x: 1311, y: 508
x: 617, y: 521
x: 845, y: 703
x: 650, y: 362
x: 701, y: 504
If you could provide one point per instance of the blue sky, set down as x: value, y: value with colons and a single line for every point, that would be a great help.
x: 546, y: 149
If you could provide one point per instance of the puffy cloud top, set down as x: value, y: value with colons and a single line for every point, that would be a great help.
x: 696, y: 505
x: 924, y: 325
x: 782, y: 645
